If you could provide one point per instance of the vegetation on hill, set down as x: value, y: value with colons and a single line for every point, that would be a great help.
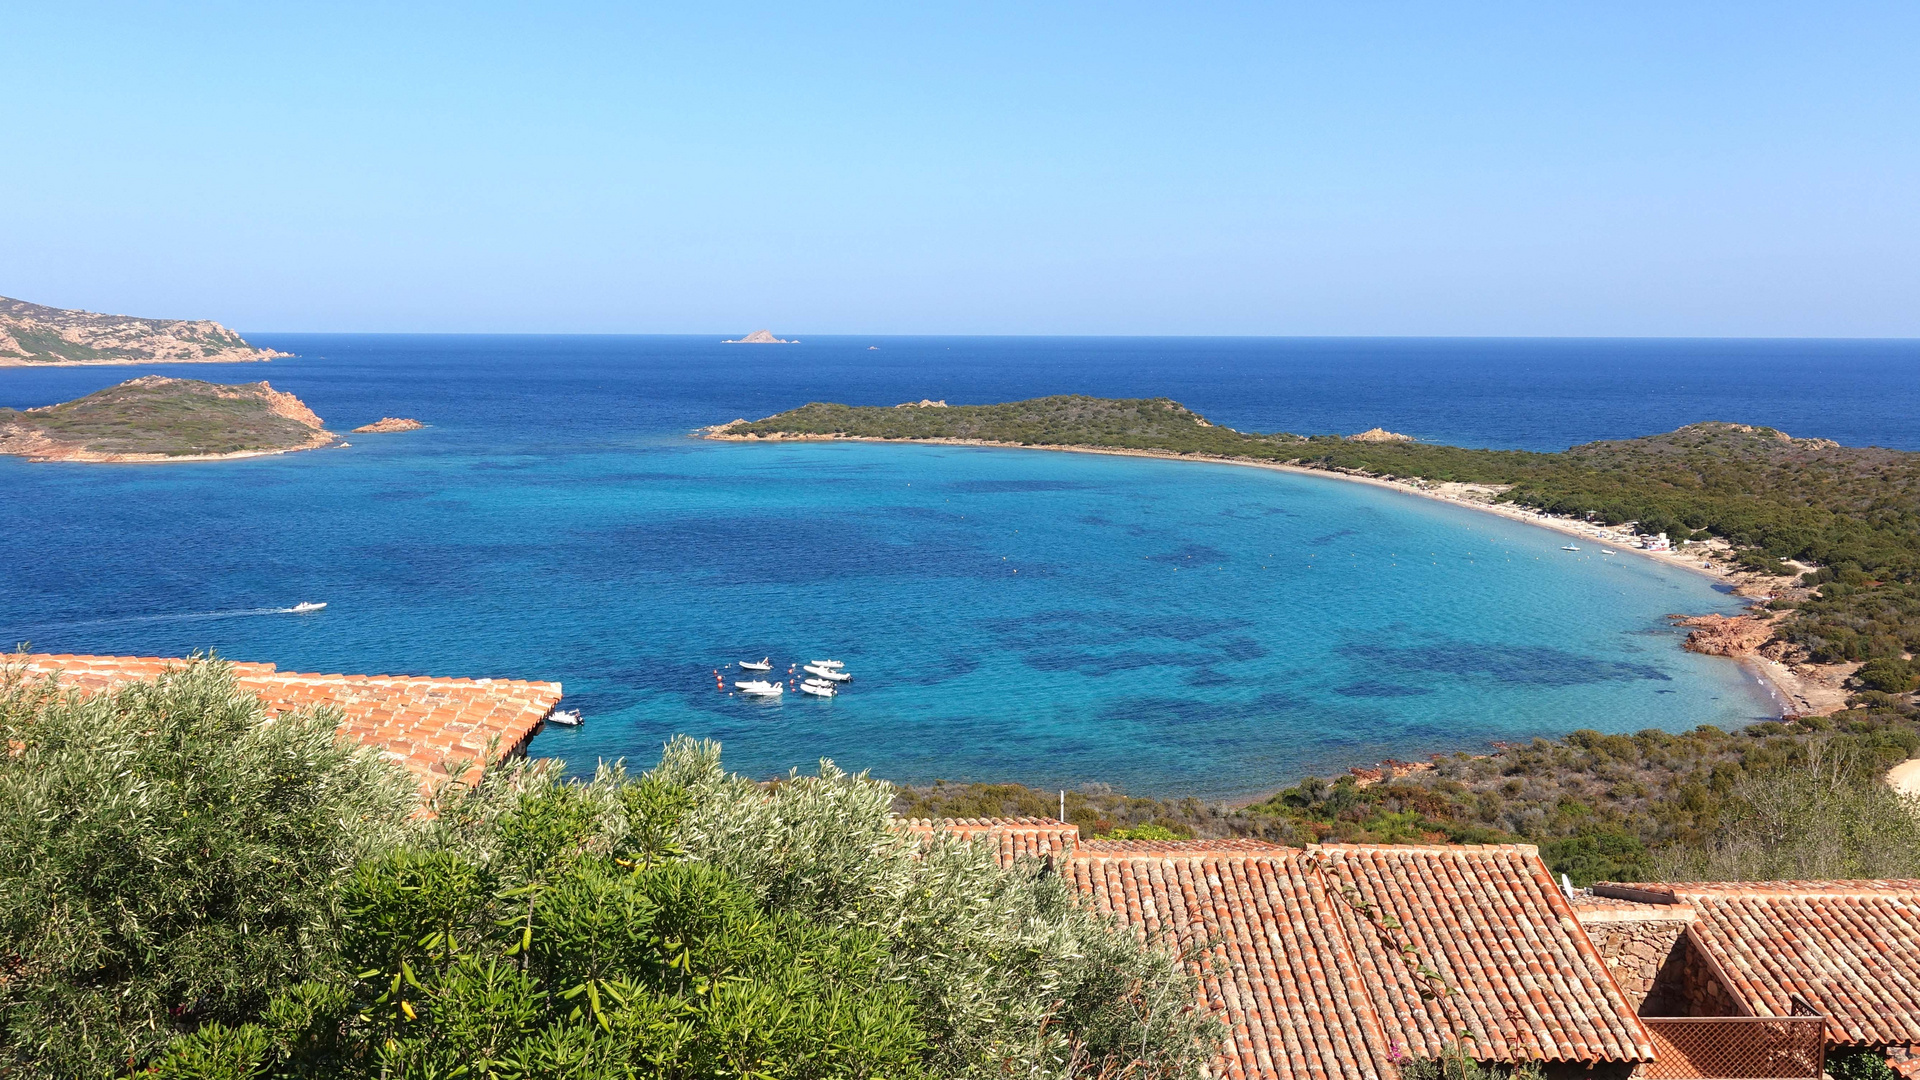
x: 33, y: 334
x: 1801, y: 800
x: 194, y: 893
x: 1852, y: 512
x: 156, y: 416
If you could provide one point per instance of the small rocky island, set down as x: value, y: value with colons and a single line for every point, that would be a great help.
x: 387, y: 424
x: 759, y: 337
x: 155, y: 418
x: 34, y: 335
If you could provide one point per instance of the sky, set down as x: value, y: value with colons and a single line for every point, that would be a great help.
x: 1630, y: 169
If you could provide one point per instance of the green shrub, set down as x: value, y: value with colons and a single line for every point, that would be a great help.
x: 1888, y: 675
x: 172, y: 860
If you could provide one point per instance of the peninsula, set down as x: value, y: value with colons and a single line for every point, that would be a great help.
x: 155, y: 418
x: 34, y: 335
x: 1824, y: 538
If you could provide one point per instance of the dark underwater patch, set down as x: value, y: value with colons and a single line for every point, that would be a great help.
x: 1371, y: 689
x: 1513, y: 665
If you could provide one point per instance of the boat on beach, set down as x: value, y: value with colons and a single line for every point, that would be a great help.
x: 763, y: 664
x: 827, y: 673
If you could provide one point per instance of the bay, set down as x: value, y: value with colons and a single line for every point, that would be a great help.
x: 1168, y: 627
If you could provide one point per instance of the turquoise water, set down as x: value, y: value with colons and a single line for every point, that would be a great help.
x: 1167, y: 627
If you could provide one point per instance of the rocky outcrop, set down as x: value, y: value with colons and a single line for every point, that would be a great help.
x: 758, y: 337
x: 923, y: 403
x: 388, y: 424
x: 36, y: 335
x: 1726, y: 635
x: 1379, y: 435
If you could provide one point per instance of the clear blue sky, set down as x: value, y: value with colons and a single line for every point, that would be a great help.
x: 1418, y: 168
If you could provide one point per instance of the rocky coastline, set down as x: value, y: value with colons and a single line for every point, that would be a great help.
x: 155, y: 419
x: 34, y: 335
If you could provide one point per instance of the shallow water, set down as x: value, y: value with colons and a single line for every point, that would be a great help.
x: 1168, y: 627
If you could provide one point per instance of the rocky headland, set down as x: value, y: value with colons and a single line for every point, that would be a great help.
x: 387, y: 424
x: 34, y: 335
x: 154, y: 418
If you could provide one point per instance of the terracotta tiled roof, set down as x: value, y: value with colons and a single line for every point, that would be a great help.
x: 423, y: 723
x: 1850, y: 948
x: 1518, y: 972
x: 1310, y: 978
x: 1280, y: 972
x: 1011, y: 837
x: 1176, y: 847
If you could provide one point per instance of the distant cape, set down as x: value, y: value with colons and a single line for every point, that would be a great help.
x: 759, y: 337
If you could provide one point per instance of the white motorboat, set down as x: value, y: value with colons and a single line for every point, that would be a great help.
x: 759, y: 688
x: 1604, y: 551
x: 827, y: 673
x: 834, y: 664
x: 1568, y: 547
x: 565, y: 718
x: 817, y: 689
x: 764, y: 664
x: 305, y: 606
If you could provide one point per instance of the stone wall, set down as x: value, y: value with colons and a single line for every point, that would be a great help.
x: 1635, y: 952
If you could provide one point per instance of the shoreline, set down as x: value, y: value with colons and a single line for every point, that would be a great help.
x: 320, y: 441
x: 1791, y: 693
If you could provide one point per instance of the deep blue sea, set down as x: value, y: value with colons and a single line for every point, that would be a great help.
x: 1167, y: 627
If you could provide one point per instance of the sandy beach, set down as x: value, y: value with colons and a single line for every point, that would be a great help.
x: 1796, y: 689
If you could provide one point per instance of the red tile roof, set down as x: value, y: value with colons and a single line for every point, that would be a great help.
x: 1850, y: 948
x: 1279, y: 971
x: 1011, y: 837
x: 423, y: 723
x: 1518, y: 972
x: 1305, y: 964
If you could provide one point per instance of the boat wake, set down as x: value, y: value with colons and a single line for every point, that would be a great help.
x: 195, y: 616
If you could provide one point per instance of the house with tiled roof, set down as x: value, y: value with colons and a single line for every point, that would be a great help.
x: 1847, y: 951
x: 1341, y: 962
x: 431, y: 726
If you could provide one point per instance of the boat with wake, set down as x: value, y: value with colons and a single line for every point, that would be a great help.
x: 565, y: 717
x: 305, y: 606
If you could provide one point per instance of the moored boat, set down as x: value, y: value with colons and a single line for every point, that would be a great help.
x: 763, y: 664
x: 818, y: 689
x: 827, y: 673
x: 759, y: 688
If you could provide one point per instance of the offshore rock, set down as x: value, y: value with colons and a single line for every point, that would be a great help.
x: 759, y: 337
x: 388, y: 423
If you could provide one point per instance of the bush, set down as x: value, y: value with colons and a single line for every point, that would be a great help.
x: 1888, y: 676
x: 694, y: 924
x: 173, y: 859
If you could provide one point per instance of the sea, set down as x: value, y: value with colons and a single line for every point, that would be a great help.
x: 1056, y: 619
